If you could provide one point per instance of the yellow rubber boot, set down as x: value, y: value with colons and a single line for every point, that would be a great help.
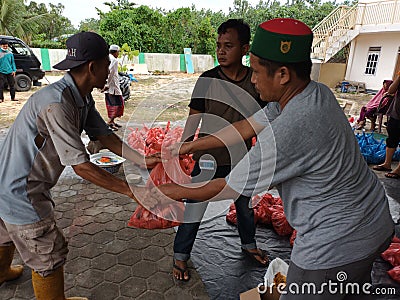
x: 51, y: 287
x: 8, y: 272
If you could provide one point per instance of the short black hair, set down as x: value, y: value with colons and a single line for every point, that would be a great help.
x: 302, y: 69
x: 113, y: 51
x: 3, y: 42
x: 242, y: 28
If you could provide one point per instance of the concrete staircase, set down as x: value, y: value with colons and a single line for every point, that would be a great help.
x: 334, y: 32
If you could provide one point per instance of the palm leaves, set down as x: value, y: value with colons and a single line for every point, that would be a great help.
x: 15, y: 20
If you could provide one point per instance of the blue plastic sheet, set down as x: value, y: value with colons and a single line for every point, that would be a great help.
x: 374, y: 151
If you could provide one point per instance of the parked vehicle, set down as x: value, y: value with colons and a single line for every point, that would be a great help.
x: 28, y: 66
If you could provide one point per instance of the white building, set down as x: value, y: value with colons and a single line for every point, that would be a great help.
x: 372, y: 28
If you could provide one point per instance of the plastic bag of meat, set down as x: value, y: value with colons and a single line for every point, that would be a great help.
x: 395, y: 273
x: 164, y: 215
x: 279, y: 221
x: 392, y: 254
x: 293, y: 237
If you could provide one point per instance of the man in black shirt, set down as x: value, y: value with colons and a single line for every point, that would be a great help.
x: 222, y: 95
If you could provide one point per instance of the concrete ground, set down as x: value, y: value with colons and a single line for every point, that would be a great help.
x: 107, y: 259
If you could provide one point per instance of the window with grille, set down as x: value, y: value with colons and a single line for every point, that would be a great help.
x: 372, y: 60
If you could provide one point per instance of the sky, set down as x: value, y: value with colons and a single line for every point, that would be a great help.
x: 78, y: 10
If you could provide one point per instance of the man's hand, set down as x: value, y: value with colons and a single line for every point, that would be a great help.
x: 180, y: 148
x: 143, y: 196
x: 151, y: 161
x: 167, y: 191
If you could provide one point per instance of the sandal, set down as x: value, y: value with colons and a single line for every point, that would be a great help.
x: 381, y: 168
x: 117, y: 125
x: 392, y: 175
x: 112, y: 127
x: 181, y: 272
x: 263, y: 255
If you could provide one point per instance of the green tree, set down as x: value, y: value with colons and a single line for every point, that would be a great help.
x: 90, y: 24
x: 120, y: 4
x: 15, y: 19
x: 141, y: 28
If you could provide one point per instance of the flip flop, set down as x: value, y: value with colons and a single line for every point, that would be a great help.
x: 392, y: 175
x: 254, y: 255
x: 181, y: 272
x: 117, y: 125
x: 112, y: 127
x: 381, y: 168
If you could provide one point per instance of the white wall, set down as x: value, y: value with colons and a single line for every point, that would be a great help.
x: 154, y: 61
x: 389, y: 43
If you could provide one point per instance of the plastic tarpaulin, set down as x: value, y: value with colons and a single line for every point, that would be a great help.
x: 227, y: 272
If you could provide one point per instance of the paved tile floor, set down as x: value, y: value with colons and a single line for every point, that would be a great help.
x: 107, y: 259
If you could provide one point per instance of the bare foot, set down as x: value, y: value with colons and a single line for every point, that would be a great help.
x: 258, y: 254
x: 180, y: 271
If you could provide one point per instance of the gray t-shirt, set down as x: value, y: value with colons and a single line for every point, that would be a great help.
x: 330, y: 196
x: 45, y: 137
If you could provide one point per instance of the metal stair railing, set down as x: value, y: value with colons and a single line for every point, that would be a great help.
x: 332, y: 28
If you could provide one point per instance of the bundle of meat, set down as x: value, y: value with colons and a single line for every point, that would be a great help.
x: 392, y: 255
x: 175, y: 170
x: 267, y: 210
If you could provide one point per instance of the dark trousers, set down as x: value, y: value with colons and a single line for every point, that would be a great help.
x: 344, y: 280
x: 187, y: 232
x: 9, y: 78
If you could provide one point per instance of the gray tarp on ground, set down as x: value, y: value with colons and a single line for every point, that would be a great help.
x: 226, y: 272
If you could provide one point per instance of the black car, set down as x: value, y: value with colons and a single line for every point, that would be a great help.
x: 28, y: 65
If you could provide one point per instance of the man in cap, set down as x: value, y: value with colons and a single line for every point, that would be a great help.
x: 7, y: 70
x: 112, y: 90
x: 309, y: 153
x: 46, y: 137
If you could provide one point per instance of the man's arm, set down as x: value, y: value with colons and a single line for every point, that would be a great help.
x: 394, y: 86
x: 100, y: 177
x: 214, y: 190
x: 192, y: 123
x: 229, y: 135
x: 114, y: 144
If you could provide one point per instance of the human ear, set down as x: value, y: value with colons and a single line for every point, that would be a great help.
x: 284, y: 74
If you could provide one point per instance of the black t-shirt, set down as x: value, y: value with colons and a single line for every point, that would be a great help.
x: 224, y: 101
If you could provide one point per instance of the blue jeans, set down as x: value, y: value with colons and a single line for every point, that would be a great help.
x: 186, y: 234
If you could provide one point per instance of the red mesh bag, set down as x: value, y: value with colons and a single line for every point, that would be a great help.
x: 231, y: 217
x: 392, y: 254
x: 262, y: 213
x: 293, y: 237
x: 279, y: 221
x: 175, y: 170
x: 395, y: 273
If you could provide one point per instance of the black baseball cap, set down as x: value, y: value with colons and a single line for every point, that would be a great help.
x: 81, y: 48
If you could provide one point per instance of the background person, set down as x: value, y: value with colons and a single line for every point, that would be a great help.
x: 232, y: 43
x: 393, y: 130
x: 370, y: 111
x: 7, y: 70
x: 330, y: 196
x: 46, y: 137
x: 112, y: 90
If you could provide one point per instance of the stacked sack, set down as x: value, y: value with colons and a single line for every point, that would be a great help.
x: 268, y: 210
x: 392, y: 255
